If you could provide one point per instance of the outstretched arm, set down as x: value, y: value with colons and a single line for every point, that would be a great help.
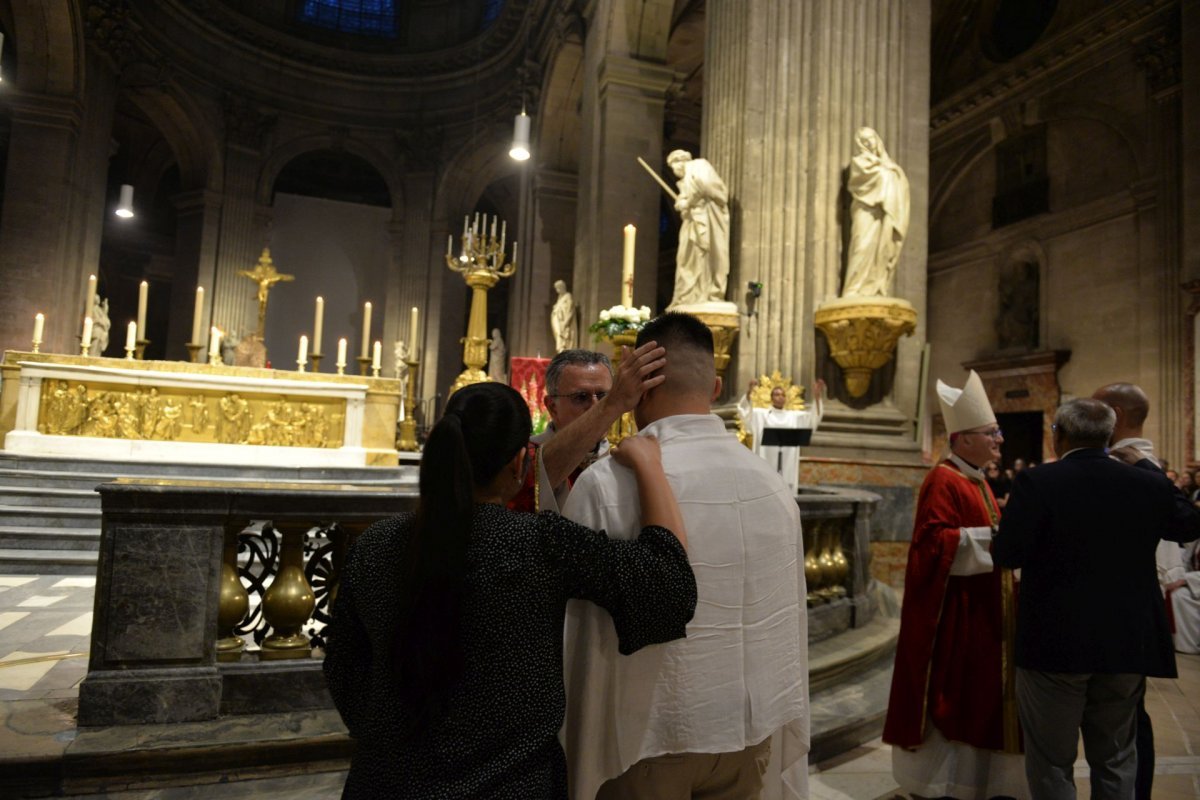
x: 562, y: 454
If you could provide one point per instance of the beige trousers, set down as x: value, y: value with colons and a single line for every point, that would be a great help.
x: 693, y: 776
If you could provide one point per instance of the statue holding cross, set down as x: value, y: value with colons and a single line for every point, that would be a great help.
x: 265, y: 276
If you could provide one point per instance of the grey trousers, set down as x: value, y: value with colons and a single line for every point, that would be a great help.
x: 1055, y: 707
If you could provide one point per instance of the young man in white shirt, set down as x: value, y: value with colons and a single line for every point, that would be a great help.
x: 696, y: 715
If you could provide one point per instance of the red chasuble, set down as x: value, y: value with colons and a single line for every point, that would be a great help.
x: 954, y: 657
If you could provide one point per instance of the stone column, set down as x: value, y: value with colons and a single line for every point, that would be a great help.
x: 786, y: 86
x: 416, y: 260
x: 197, y: 218
x: 551, y: 237
x: 623, y: 101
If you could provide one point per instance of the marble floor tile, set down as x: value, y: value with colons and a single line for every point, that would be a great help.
x: 9, y: 617
x: 41, y: 601
x: 81, y: 581
x: 20, y: 670
x: 80, y: 626
x: 16, y: 580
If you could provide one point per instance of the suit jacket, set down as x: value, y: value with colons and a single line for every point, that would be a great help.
x: 1084, y: 530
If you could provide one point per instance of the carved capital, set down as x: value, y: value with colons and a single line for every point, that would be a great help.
x: 109, y: 25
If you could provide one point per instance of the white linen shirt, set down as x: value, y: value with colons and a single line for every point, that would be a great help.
x: 742, y: 672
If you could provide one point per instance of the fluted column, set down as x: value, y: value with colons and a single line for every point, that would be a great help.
x: 551, y: 238
x: 234, y: 307
x: 197, y: 217
x: 623, y: 98
x: 418, y: 257
x: 786, y: 86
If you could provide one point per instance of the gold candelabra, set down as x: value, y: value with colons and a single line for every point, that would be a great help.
x: 481, y: 262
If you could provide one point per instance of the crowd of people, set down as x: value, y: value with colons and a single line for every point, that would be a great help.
x: 560, y: 618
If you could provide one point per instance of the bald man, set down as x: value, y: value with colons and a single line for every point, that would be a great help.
x: 696, y: 717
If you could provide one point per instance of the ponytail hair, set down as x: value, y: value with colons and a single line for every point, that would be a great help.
x: 484, y: 427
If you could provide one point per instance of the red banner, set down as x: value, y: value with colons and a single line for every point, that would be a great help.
x: 529, y: 378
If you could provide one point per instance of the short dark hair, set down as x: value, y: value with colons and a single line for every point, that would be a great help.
x: 1085, y: 422
x: 577, y: 357
x: 676, y: 328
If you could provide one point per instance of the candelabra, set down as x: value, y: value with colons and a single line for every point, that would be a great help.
x: 481, y: 262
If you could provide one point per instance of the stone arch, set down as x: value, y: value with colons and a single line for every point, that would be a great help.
x: 639, y: 28
x: 281, y: 156
x: 48, y: 36
x: 1110, y: 117
x: 559, y: 124
x: 189, y: 133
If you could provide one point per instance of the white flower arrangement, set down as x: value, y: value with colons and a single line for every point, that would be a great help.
x: 619, y: 319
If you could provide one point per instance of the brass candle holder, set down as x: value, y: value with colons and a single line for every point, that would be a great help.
x: 194, y: 350
x: 315, y: 358
x: 129, y: 352
x: 408, y: 425
x: 140, y: 349
x: 364, y: 363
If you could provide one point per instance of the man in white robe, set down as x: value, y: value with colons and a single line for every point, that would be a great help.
x: 784, y: 460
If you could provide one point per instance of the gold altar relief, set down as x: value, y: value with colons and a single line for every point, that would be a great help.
x: 117, y: 411
x: 760, y: 396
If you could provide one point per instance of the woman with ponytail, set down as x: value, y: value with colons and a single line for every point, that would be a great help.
x: 444, y: 657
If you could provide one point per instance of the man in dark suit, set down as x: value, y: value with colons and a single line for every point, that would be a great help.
x: 1091, y: 624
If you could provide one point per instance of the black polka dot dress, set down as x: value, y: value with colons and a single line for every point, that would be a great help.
x: 499, y: 736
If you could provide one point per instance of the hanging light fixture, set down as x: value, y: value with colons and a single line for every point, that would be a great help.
x: 520, y: 143
x: 125, y: 205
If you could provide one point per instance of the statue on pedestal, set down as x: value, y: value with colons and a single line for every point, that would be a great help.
x: 497, y: 358
x: 702, y: 260
x: 101, y: 325
x: 562, y: 319
x: 879, y: 212
x: 400, y: 371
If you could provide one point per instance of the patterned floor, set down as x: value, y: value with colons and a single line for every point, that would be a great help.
x: 45, y: 624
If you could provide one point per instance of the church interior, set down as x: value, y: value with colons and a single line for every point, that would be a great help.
x: 413, y: 186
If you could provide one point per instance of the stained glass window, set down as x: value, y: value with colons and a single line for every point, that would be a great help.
x: 491, y: 11
x: 364, y: 17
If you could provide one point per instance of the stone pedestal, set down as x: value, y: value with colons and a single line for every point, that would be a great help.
x: 862, y: 334
x: 723, y: 320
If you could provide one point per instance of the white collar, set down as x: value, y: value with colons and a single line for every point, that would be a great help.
x: 967, y: 469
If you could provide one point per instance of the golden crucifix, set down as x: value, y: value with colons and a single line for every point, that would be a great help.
x: 265, y: 276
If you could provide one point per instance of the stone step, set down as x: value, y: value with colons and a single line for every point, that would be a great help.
x: 54, y: 497
x: 17, y: 537
x: 33, y: 516
x: 47, y: 562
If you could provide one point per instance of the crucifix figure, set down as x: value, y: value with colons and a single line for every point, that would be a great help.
x: 265, y: 276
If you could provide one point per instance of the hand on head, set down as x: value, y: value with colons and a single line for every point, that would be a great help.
x: 640, y: 371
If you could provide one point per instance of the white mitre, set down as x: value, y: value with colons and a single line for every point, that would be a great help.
x: 967, y: 407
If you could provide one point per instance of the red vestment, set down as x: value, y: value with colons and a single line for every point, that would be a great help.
x: 954, y: 657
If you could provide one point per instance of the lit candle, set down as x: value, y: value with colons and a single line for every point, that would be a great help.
x: 90, y: 300
x: 302, y: 356
x: 214, y: 341
x: 318, y: 323
x: 198, y: 316
x: 503, y: 235
x: 627, y: 267
x: 131, y: 335
x: 366, y: 337
x: 514, y: 253
x: 143, y: 292
x: 85, y: 340
x: 493, y: 229
x: 341, y: 359
x: 39, y: 325
x: 377, y: 356
x: 412, y: 335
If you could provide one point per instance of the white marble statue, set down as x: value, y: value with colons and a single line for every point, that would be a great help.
x: 497, y: 358
x: 101, y: 325
x: 400, y: 353
x: 702, y: 260
x: 562, y: 319
x: 878, y: 218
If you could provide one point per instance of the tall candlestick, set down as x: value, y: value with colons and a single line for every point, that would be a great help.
x: 627, y: 267
x: 85, y: 339
x: 39, y: 326
x: 377, y: 356
x: 131, y: 336
x: 503, y: 236
x: 341, y: 355
x: 318, y: 323
x: 302, y: 356
x: 198, y: 316
x: 214, y: 342
x: 466, y: 224
x: 493, y: 229
x: 90, y: 300
x: 366, y: 337
x: 450, y: 244
x: 143, y: 294
x: 514, y: 261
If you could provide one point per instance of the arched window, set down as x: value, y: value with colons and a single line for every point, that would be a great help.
x: 363, y: 17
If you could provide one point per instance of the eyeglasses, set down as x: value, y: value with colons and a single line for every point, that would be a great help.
x: 996, y: 434
x: 582, y: 398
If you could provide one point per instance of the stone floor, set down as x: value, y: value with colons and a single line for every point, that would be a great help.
x: 45, y: 622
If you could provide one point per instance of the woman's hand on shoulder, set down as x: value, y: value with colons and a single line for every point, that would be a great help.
x: 638, y: 452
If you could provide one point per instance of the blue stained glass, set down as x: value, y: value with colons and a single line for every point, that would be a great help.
x: 491, y: 11
x: 367, y: 17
